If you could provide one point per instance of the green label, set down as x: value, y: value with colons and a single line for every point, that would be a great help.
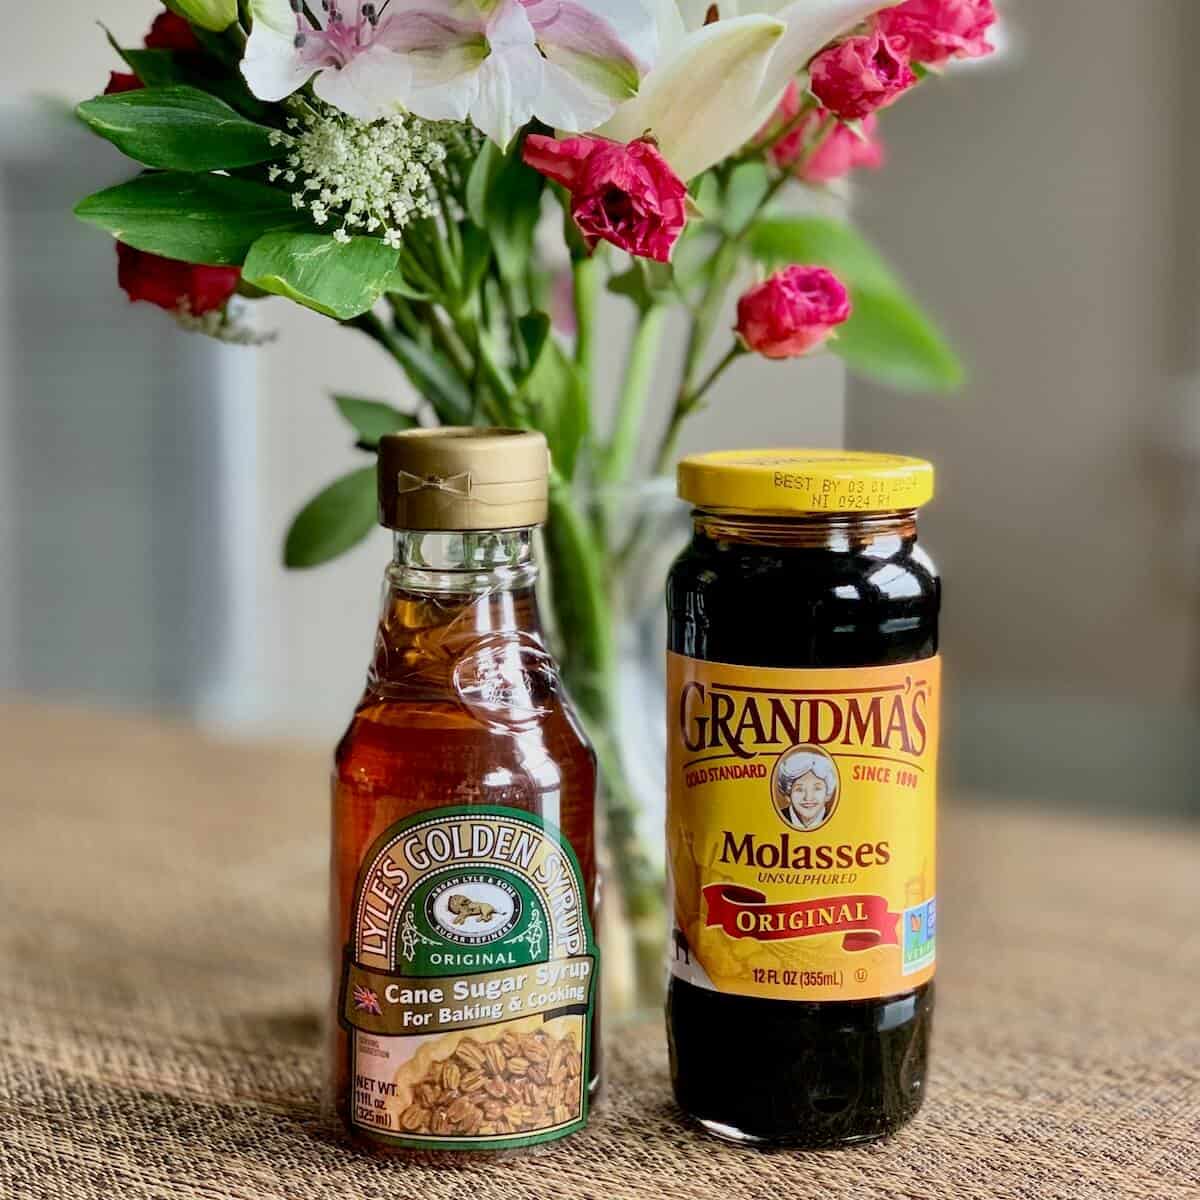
x: 469, y: 985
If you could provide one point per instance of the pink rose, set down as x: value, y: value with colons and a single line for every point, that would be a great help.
x: 793, y: 312
x: 175, y: 286
x: 841, y: 152
x: 935, y: 31
x: 861, y: 75
x: 624, y: 194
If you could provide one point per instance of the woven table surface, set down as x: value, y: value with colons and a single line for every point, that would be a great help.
x: 163, y: 983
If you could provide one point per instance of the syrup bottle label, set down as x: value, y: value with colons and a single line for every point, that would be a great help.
x: 470, y: 983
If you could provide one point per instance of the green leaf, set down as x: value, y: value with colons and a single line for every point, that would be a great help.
x: 335, y: 521
x: 504, y: 200
x: 435, y: 379
x: 214, y: 15
x: 824, y: 242
x: 398, y: 285
x: 477, y: 257
x: 161, y: 68
x: 209, y: 219
x: 155, y: 68
x: 372, y: 419
x: 888, y: 338
x: 340, y: 279
x: 552, y: 395
x: 179, y: 128
x: 646, y: 283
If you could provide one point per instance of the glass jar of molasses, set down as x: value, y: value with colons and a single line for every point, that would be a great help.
x: 803, y: 733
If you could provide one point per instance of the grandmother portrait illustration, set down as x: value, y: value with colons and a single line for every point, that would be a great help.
x: 464, y: 186
x: 805, y: 787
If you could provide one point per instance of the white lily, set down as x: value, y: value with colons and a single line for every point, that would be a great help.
x: 715, y: 84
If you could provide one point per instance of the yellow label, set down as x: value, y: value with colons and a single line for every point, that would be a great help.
x: 801, y: 828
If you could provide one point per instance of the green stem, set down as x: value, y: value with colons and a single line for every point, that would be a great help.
x: 587, y: 623
x: 617, y: 464
x: 702, y: 388
x: 827, y: 126
x: 405, y: 317
x: 703, y: 324
x: 417, y: 273
x: 587, y: 289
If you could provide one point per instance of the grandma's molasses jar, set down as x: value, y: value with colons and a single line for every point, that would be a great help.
x: 802, y: 730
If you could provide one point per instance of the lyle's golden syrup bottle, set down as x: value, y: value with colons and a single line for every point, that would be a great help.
x: 464, y: 855
x: 804, y: 688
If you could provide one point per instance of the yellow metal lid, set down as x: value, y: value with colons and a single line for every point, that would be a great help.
x: 816, y: 482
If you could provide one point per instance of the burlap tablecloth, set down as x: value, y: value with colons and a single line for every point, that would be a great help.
x: 162, y: 986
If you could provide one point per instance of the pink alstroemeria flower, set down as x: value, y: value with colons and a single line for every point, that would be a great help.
x: 353, y: 51
x: 569, y: 63
x: 499, y: 63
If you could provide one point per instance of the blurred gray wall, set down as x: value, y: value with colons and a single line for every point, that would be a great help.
x: 1046, y: 206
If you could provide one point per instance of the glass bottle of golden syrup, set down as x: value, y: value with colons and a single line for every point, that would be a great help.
x: 464, y: 855
x: 802, y: 732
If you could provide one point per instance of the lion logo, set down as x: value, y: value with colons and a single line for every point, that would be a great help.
x: 465, y: 909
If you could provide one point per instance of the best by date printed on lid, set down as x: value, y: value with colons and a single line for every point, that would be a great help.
x: 797, y: 482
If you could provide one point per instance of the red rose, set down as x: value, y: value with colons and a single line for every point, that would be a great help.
x: 175, y: 286
x: 122, y: 81
x: 624, y: 194
x: 171, y: 32
x: 935, y: 31
x: 861, y: 75
x: 793, y: 313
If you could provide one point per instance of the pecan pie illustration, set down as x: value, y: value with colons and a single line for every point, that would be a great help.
x: 517, y: 1078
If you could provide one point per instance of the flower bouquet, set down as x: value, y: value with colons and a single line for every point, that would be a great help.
x: 443, y: 177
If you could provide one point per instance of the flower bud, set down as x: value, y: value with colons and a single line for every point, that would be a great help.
x: 793, y: 312
x: 861, y: 75
x: 214, y: 15
x: 842, y: 150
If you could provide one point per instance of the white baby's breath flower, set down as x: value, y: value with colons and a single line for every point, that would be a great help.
x: 373, y: 176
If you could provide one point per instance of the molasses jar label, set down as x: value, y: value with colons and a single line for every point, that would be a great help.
x: 468, y: 989
x: 801, y: 828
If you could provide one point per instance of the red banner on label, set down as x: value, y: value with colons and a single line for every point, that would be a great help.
x: 744, y: 913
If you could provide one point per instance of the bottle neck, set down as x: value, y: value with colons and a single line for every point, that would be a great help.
x: 848, y: 532
x: 444, y: 595
x: 463, y: 564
